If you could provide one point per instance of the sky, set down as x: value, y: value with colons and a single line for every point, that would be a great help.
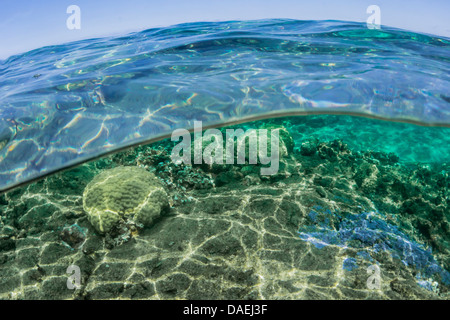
x: 31, y: 24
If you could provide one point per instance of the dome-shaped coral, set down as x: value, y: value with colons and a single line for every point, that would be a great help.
x: 123, y: 194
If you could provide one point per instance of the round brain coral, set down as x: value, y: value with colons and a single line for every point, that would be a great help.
x: 123, y: 194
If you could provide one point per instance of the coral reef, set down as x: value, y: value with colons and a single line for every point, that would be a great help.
x: 312, y: 231
x: 129, y: 194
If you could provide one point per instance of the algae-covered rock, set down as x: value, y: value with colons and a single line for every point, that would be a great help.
x: 123, y: 194
x: 308, y: 147
x: 285, y: 143
x: 286, y: 140
x: 366, y: 177
x: 245, y: 143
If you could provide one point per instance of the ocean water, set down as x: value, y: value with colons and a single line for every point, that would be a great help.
x: 358, y: 207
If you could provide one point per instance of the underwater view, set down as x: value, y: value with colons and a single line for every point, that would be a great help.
x: 267, y: 159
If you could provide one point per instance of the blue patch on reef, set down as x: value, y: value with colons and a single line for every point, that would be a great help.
x: 369, y: 232
x: 349, y: 264
x: 313, y: 215
x: 428, y: 284
x: 365, y: 255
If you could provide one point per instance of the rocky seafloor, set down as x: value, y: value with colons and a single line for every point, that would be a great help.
x: 339, y: 205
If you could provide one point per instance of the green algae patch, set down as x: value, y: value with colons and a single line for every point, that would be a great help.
x: 124, y: 194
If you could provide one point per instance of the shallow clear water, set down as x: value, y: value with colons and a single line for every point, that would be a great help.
x: 61, y: 105
x: 363, y: 179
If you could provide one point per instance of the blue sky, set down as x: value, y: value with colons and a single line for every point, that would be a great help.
x: 30, y: 24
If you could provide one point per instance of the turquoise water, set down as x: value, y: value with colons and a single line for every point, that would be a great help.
x: 363, y: 179
x: 62, y: 105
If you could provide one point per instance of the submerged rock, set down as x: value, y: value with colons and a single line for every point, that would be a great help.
x: 129, y: 194
x: 308, y: 147
x: 246, y: 144
x: 73, y: 235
